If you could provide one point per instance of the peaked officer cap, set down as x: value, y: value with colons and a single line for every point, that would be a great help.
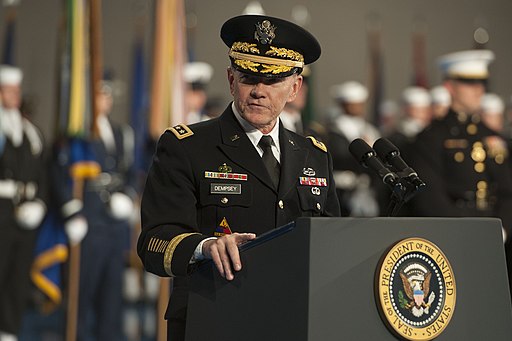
x: 267, y: 46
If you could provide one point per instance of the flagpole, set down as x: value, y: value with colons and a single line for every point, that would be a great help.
x: 76, y: 112
x: 94, y: 7
x: 96, y: 59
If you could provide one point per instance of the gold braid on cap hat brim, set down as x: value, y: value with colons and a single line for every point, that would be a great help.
x: 269, y: 64
x: 467, y: 75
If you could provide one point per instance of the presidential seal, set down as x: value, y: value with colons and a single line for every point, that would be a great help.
x: 416, y: 289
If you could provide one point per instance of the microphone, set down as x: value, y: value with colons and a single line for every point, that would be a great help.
x: 391, y: 155
x: 365, y: 154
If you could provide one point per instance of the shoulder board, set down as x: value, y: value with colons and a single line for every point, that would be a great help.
x: 181, y: 131
x: 317, y: 144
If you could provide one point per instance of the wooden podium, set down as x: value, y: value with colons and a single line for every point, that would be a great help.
x: 316, y: 279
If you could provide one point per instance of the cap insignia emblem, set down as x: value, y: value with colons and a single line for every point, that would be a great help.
x: 265, y: 32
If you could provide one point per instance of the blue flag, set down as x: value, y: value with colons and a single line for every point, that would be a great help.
x: 50, y: 254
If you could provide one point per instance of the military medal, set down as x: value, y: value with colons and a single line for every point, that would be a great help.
x: 310, y: 181
x: 225, y: 173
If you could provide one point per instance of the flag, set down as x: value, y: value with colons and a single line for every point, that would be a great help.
x: 139, y: 113
x: 169, y: 56
x: 76, y: 99
x: 50, y: 253
x: 79, y: 111
x: 8, y: 48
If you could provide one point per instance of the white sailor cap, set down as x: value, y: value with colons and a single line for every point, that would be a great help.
x: 254, y: 7
x: 470, y: 65
x: 492, y: 104
x: 440, y: 95
x: 10, y: 75
x: 198, y: 73
x: 416, y: 96
x: 349, y: 92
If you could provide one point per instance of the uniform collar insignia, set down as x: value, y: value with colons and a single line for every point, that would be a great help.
x: 234, y: 137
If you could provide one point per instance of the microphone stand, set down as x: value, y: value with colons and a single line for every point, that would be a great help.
x: 403, y: 191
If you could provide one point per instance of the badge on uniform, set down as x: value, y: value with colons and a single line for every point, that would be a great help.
x: 225, y: 173
x: 216, y: 188
x: 223, y: 228
x: 308, y: 171
x: 311, y: 181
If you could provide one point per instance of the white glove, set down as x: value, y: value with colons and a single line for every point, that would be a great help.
x: 30, y: 214
x: 151, y: 286
x: 363, y: 203
x: 121, y: 206
x: 132, y: 290
x: 76, y: 229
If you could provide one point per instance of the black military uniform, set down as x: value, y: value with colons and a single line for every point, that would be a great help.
x: 209, y: 180
x: 23, y: 199
x: 465, y: 177
x: 188, y: 193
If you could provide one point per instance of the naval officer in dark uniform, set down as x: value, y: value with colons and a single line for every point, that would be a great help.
x: 467, y: 173
x: 216, y: 184
x: 23, y: 201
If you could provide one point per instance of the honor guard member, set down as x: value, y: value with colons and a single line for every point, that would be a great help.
x: 441, y: 101
x: 197, y: 76
x: 22, y: 201
x: 354, y: 184
x: 467, y: 173
x: 101, y: 223
x: 416, y: 115
x: 291, y: 116
x: 219, y: 183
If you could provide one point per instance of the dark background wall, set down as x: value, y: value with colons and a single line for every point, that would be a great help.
x: 339, y: 25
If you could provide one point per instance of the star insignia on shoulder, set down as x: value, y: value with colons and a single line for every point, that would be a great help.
x: 181, y: 131
x: 318, y: 144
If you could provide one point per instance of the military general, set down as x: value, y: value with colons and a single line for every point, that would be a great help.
x: 220, y: 183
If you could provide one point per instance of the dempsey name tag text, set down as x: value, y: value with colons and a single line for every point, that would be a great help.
x: 226, y: 188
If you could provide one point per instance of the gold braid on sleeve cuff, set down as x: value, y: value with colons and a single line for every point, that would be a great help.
x: 169, y: 251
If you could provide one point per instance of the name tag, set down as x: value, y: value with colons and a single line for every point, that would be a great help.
x: 225, y: 188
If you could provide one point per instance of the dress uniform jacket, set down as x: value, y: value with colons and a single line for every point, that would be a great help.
x: 466, y: 169
x: 24, y: 165
x: 208, y: 179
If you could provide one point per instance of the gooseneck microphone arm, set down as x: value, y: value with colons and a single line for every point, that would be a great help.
x: 391, y: 155
x: 368, y: 158
x: 394, y: 171
x: 412, y: 184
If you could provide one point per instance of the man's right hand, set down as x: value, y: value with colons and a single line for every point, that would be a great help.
x: 224, y: 252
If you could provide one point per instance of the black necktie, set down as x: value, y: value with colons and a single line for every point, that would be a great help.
x: 269, y: 160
